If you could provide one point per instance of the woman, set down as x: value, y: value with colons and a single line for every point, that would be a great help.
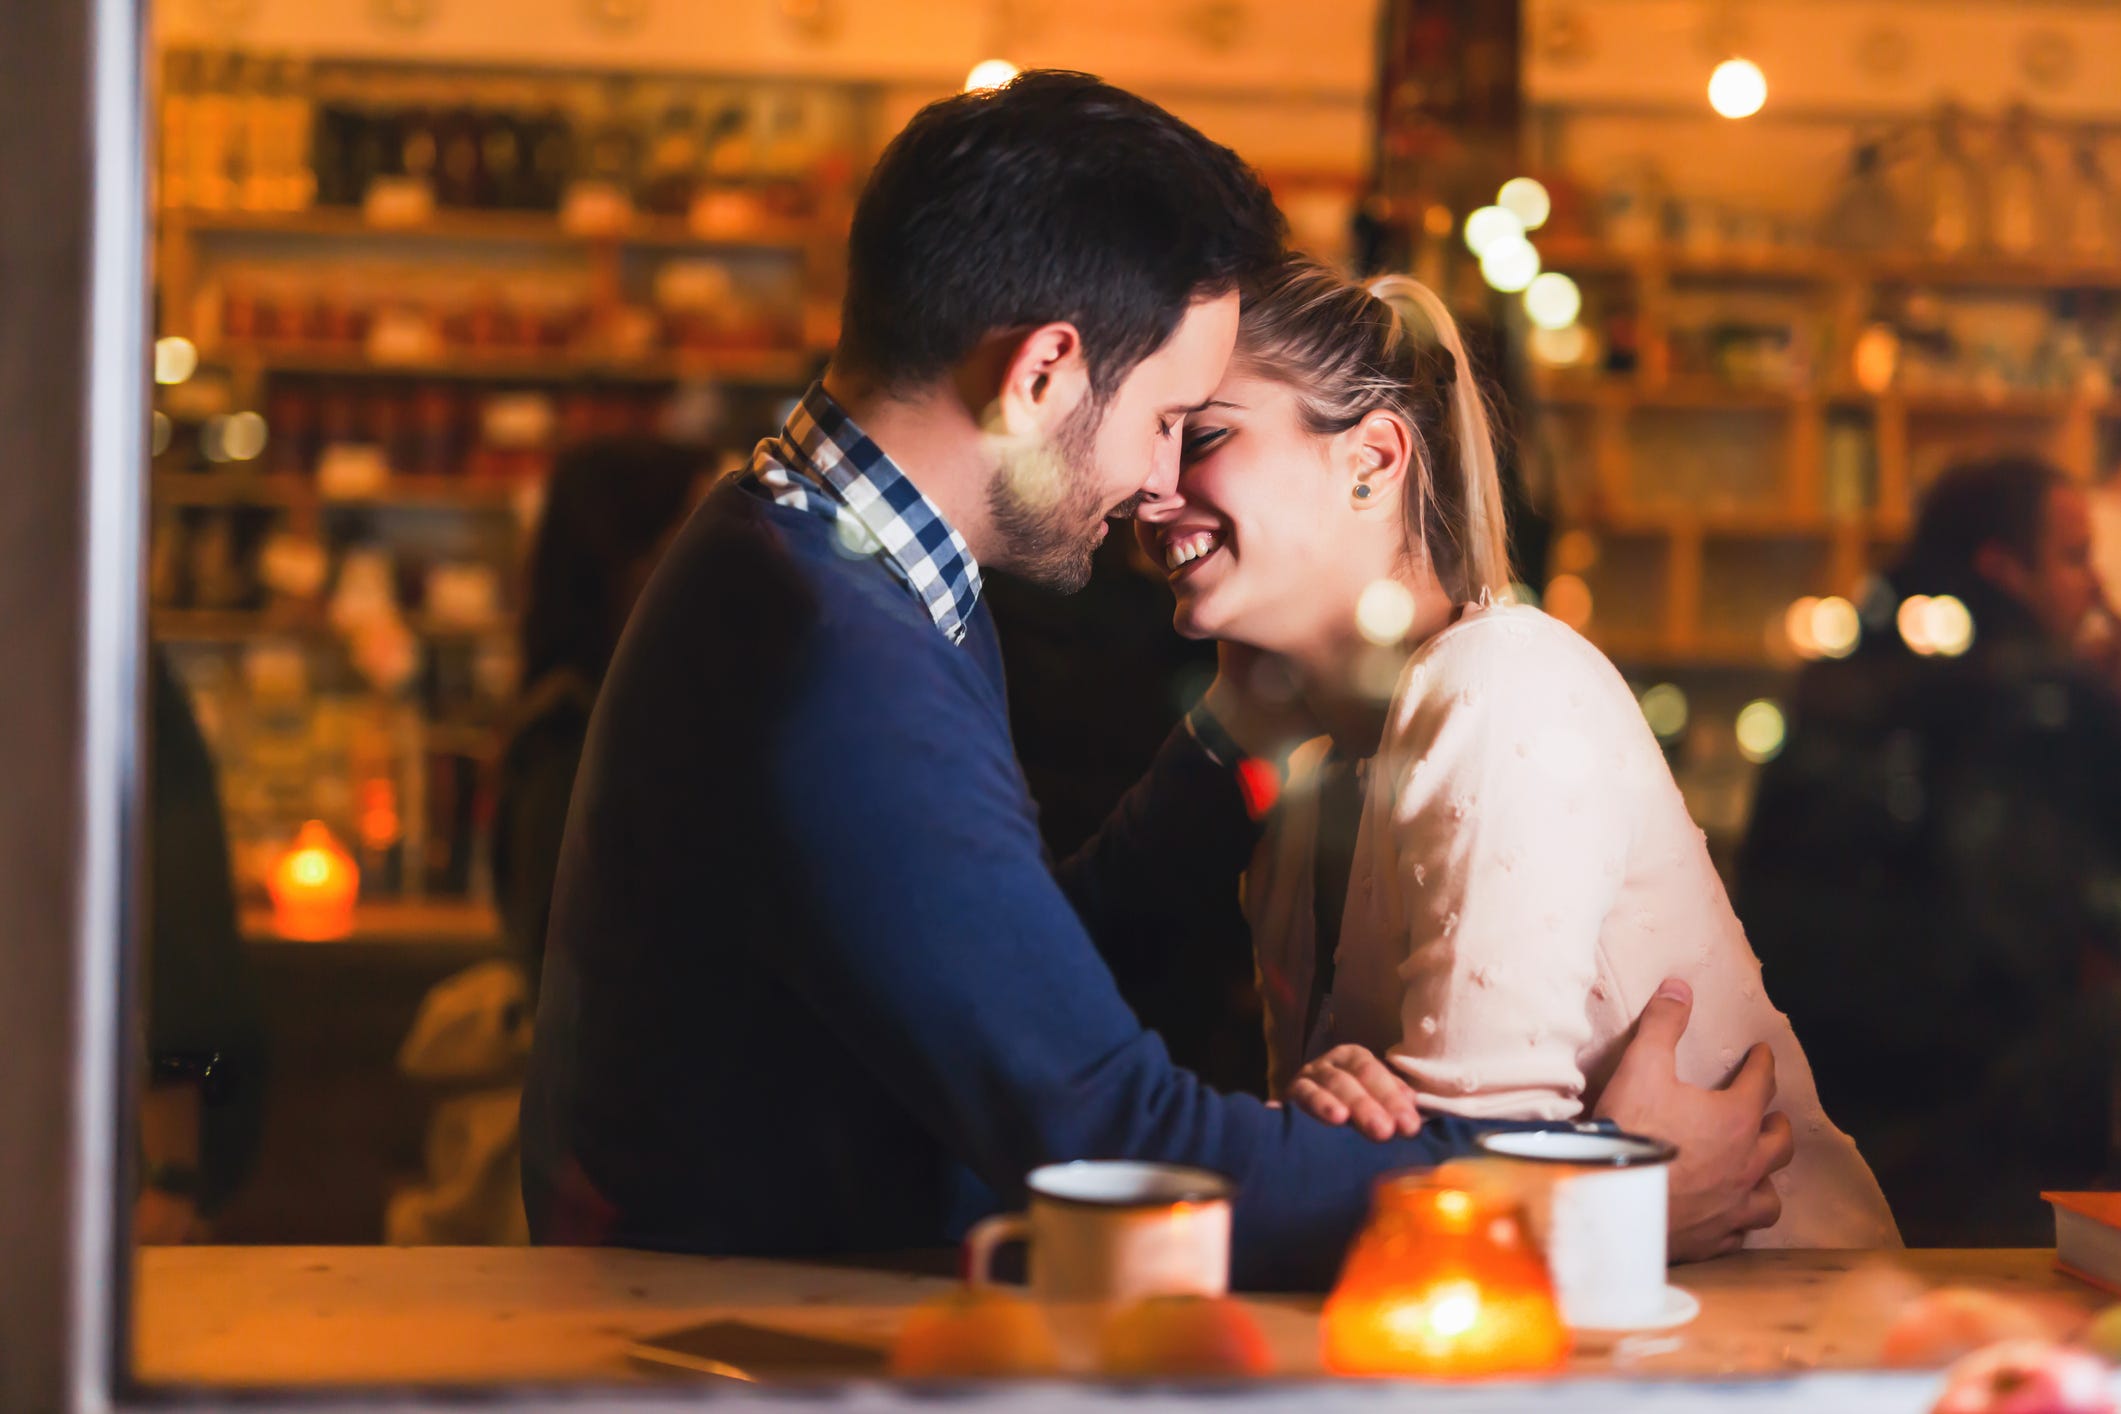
x: 610, y: 508
x: 1487, y: 835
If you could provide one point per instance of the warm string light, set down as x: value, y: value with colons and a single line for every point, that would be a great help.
x: 989, y: 73
x: 1738, y: 89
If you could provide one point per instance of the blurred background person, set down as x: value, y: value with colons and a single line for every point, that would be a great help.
x: 201, y: 1116
x: 610, y: 509
x: 1932, y: 877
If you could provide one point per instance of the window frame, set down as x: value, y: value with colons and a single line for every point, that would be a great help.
x: 74, y: 399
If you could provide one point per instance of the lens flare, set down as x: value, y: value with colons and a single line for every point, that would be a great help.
x: 1569, y: 600
x: 1836, y: 627
x: 1665, y: 708
x: 176, y: 360
x: 1553, y: 301
x: 1489, y: 226
x: 1527, y: 200
x: 1760, y: 731
x: 1385, y: 612
x: 1510, y: 265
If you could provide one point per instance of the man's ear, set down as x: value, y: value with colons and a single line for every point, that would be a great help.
x: 1044, y: 379
x: 1996, y: 564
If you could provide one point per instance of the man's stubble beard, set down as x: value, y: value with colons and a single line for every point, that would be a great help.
x: 1046, y: 507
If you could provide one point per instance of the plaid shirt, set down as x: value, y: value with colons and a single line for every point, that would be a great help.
x: 823, y: 464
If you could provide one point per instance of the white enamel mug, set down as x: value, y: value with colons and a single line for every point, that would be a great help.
x: 1597, y: 1206
x: 1115, y: 1231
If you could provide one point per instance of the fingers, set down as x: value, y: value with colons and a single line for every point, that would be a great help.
x: 1775, y: 1147
x: 1662, y: 1023
x: 1762, y: 1208
x: 1348, y: 1085
x: 1755, y: 1080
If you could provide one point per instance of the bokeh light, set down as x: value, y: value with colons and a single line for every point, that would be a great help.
x: 1951, y: 626
x: 176, y: 360
x: 1760, y: 731
x: 1836, y: 627
x: 1576, y: 551
x: 1553, y: 301
x: 1489, y: 226
x: 243, y: 436
x: 160, y: 431
x: 1738, y: 89
x: 1568, y: 599
x: 1665, y: 708
x: 1939, y: 627
x: 1510, y: 265
x: 1527, y: 200
x: 1561, y: 348
x: 989, y: 73
x: 1385, y: 612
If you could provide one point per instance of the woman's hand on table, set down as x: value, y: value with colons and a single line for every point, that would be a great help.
x: 1729, y: 1144
x: 1350, y: 1085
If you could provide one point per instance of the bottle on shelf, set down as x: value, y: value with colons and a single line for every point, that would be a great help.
x: 2019, y: 222
x: 2090, y: 221
x: 671, y: 168
x: 210, y: 184
x: 1954, y: 194
x: 1865, y: 215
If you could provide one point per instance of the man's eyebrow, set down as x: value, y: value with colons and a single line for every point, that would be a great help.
x: 1178, y: 411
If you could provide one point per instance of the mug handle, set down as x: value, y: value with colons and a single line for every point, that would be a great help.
x: 989, y: 1236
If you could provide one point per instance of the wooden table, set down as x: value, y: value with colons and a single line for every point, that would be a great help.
x: 307, y: 1315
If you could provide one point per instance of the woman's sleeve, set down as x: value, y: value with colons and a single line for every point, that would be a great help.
x: 1510, y: 830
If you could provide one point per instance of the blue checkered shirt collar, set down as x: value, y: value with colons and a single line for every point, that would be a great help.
x: 825, y: 465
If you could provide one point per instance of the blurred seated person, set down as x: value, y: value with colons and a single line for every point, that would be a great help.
x: 610, y: 508
x: 1932, y: 878
x: 202, y: 1112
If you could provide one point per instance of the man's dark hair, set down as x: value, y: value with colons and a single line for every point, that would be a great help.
x: 1991, y: 501
x: 1054, y: 197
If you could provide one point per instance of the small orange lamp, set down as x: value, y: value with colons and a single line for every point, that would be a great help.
x: 1443, y: 1282
x: 313, y: 888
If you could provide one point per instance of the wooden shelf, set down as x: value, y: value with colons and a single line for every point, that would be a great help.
x: 244, y: 625
x: 771, y: 368
x: 1801, y: 265
x: 412, y: 492
x: 408, y: 923
x: 517, y: 227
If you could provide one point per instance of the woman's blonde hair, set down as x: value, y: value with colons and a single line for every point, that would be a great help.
x: 1349, y: 350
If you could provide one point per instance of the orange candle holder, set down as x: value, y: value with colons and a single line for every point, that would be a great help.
x: 313, y: 888
x: 1443, y: 1282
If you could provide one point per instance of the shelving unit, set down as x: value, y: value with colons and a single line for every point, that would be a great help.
x: 1695, y: 548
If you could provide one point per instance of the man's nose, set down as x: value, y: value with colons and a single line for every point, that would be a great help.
x: 1160, y: 498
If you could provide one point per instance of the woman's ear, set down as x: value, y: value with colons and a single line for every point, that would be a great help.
x: 1044, y: 379
x: 1377, y: 455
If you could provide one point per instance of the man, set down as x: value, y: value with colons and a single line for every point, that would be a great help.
x: 1932, y: 877
x: 810, y: 983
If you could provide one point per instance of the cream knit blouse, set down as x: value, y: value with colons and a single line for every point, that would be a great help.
x: 1525, y: 875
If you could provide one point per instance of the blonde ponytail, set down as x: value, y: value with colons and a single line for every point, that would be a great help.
x: 1347, y: 351
x: 1483, y: 537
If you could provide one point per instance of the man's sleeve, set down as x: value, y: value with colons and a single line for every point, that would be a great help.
x: 940, y: 948
x: 1175, y: 847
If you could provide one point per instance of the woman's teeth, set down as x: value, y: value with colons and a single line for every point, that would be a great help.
x: 1179, y: 553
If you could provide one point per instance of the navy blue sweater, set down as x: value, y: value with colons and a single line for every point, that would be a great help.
x: 811, y: 984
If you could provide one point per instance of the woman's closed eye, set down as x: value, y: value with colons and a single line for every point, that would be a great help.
x: 1200, y: 441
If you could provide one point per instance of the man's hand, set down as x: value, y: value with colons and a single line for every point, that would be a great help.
x: 1349, y: 1085
x: 1728, y: 1143
x: 1254, y: 696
